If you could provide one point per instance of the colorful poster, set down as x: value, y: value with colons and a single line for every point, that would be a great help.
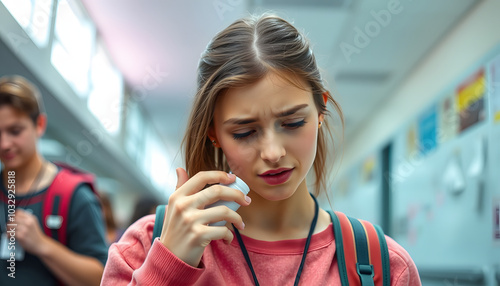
x: 427, y: 130
x: 494, y: 89
x: 449, y: 121
x: 470, y: 100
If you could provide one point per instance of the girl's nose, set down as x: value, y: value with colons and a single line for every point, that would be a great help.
x: 272, y: 149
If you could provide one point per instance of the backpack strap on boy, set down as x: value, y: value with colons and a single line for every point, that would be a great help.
x: 55, y: 208
x: 160, y: 217
x: 362, y: 253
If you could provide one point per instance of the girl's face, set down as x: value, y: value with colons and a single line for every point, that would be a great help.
x: 268, y: 132
x: 18, y: 137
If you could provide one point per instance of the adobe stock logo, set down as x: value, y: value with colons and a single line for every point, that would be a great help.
x: 221, y: 7
x: 363, y: 37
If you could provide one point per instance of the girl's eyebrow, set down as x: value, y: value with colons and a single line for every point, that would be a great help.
x: 243, y: 121
x: 292, y: 110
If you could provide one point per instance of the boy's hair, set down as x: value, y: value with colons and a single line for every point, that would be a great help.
x: 240, y: 55
x: 22, y: 95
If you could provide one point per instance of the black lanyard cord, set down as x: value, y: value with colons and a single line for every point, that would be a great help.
x: 304, y: 254
x: 309, y: 236
x: 245, y: 253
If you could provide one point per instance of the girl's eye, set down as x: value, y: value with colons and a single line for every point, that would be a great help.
x: 294, y: 125
x: 290, y: 125
x: 244, y: 135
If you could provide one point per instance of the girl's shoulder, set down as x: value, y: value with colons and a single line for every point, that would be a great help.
x: 397, y: 250
x: 403, y: 269
x: 138, y: 235
x: 143, y: 226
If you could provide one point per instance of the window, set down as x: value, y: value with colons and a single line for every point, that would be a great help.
x: 156, y: 163
x: 159, y: 165
x: 33, y: 16
x: 134, y: 135
x: 106, y: 97
x: 74, y: 39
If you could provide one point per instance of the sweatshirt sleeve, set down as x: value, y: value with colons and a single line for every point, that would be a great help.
x: 403, y: 270
x: 134, y: 261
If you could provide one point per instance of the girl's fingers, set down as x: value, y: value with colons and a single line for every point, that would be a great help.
x: 220, y: 213
x: 215, y: 193
x: 182, y: 177
x: 219, y: 232
x: 200, y: 180
x: 185, y: 229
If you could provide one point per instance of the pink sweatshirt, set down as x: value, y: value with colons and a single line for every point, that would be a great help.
x: 134, y: 261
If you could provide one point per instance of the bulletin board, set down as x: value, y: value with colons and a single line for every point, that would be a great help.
x: 446, y: 174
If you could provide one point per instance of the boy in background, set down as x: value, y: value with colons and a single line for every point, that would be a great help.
x: 26, y: 182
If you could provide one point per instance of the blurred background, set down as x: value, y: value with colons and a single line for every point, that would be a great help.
x: 418, y: 81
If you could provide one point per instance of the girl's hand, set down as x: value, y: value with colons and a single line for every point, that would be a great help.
x: 185, y: 231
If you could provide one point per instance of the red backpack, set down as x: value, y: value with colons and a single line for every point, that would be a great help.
x: 55, y: 208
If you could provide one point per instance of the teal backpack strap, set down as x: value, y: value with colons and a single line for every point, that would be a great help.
x: 384, y: 251
x: 363, y: 267
x: 160, y: 216
x: 353, y: 251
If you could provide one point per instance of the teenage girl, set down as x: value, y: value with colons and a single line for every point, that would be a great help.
x: 260, y: 112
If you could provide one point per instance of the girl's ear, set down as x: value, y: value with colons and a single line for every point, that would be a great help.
x: 41, y: 124
x: 321, y: 119
x: 213, y: 138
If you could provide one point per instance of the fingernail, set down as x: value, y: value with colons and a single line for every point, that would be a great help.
x: 231, y: 176
x: 248, y: 199
x: 242, y: 225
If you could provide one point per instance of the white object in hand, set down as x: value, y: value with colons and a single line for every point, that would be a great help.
x: 239, y: 185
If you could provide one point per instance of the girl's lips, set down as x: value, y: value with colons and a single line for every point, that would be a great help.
x: 276, y: 177
x: 274, y: 172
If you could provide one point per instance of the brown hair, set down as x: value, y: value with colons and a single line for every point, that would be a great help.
x: 240, y: 55
x: 22, y: 95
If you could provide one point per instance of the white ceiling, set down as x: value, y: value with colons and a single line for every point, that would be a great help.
x: 163, y: 39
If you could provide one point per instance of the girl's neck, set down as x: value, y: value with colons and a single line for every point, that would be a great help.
x: 278, y: 220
